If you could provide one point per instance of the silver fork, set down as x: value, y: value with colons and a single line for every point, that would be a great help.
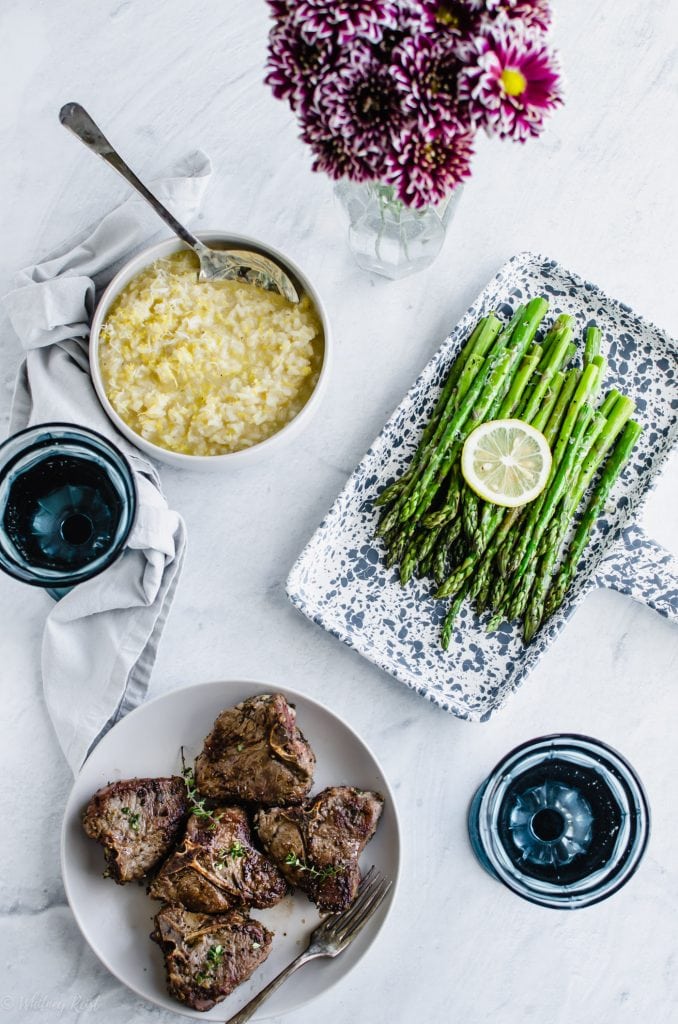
x: 215, y: 264
x: 331, y: 937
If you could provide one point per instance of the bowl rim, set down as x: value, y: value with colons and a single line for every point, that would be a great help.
x: 514, y: 760
x: 145, y: 257
x: 81, y: 576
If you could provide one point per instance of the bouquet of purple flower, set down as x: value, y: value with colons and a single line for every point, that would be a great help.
x: 393, y: 91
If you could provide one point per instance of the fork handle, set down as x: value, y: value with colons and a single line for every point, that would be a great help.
x: 254, y: 1003
x: 74, y: 117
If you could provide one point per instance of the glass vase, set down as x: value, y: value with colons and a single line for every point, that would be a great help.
x: 388, y: 238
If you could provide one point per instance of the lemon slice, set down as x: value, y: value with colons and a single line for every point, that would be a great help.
x: 506, y: 462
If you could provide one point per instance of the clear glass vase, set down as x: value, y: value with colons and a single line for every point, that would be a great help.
x: 389, y: 238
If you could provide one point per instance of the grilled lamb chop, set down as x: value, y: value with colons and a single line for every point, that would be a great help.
x: 317, y: 846
x: 256, y: 753
x: 208, y: 955
x: 217, y: 868
x: 136, y: 821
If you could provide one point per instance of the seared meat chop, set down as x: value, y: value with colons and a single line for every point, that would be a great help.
x: 317, y: 846
x: 136, y: 821
x: 208, y: 955
x: 217, y: 867
x: 255, y: 753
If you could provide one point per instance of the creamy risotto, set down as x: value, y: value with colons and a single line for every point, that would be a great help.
x: 208, y: 368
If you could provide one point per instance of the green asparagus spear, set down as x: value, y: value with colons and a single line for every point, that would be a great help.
x: 539, y: 422
x: 516, y: 547
x: 490, y: 337
x: 432, y: 458
x: 469, y: 512
x: 555, y: 420
x: 481, y: 535
x: 523, y: 575
x: 448, y: 623
x: 466, y: 363
x: 560, y: 323
x: 550, y: 398
x: 611, y: 471
x: 591, y: 344
x: 417, y: 551
x: 512, y: 401
x: 492, y: 375
x: 550, y: 427
x: 444, y: 546
x: 556, y: 356
x: 450, y: 505
x: 471, y: 505
x: 483, y: 344
x: 616, y: 421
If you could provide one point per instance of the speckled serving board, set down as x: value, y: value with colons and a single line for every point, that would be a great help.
x: 340, y: 581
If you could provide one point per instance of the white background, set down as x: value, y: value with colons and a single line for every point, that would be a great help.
x: 597, y: 192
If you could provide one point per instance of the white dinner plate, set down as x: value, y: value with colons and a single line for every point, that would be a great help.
x: 116, y: 920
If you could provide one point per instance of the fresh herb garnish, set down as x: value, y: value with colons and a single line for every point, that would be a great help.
x: 215, y: 955
x: 196, y: 804
x: 301, y: 865
x: 133, y: 818
x: 236, y: 850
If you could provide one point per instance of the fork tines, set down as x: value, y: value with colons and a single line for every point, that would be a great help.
x: 344, y: 927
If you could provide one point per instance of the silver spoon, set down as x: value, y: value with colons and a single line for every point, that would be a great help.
x: 215, y: 264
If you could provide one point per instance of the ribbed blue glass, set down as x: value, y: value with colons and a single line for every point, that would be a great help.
x: 563, y: 821
x: 67, y: 505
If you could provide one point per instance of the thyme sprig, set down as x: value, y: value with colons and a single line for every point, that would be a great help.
x: 236, y: 850
x: 132, y: 818
x: 215, y: 955
x: 196, y: 803
x: 301, y: 865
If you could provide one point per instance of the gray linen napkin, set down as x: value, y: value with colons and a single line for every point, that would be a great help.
x: 101, y: 639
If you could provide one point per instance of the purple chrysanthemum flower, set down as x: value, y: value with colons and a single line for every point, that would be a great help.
x: 532, y: 13
x: 415, y: 15
x: 279, y: 8
x: 332, y: 152
x: 295, y: 65
x: 426, y: 166
x: 345, y: 20
x: 427, y: 68
x: 357, y: 107
x: 394, y: 90
x: 484, y: 5
x: 451, y: 16
x: 510, y: 81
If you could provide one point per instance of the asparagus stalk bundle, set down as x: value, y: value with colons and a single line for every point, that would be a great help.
x: 514, y: 562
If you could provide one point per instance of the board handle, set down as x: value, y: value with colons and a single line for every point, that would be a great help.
x: 642, y: 569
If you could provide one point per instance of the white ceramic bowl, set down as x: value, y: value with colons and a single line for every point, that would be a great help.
x: 231, y: 459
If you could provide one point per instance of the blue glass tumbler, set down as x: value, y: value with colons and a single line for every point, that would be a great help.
x: 67, y: 505
x: 562, y: 821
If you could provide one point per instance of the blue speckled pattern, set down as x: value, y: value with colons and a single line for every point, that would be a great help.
x: 341, y: 583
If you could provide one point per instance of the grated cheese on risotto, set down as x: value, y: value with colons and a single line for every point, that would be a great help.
x: 207, y: 368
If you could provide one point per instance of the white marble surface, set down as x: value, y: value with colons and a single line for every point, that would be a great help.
x: 597, y: 193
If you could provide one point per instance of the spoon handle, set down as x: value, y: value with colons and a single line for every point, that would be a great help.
x: 76, y: 118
